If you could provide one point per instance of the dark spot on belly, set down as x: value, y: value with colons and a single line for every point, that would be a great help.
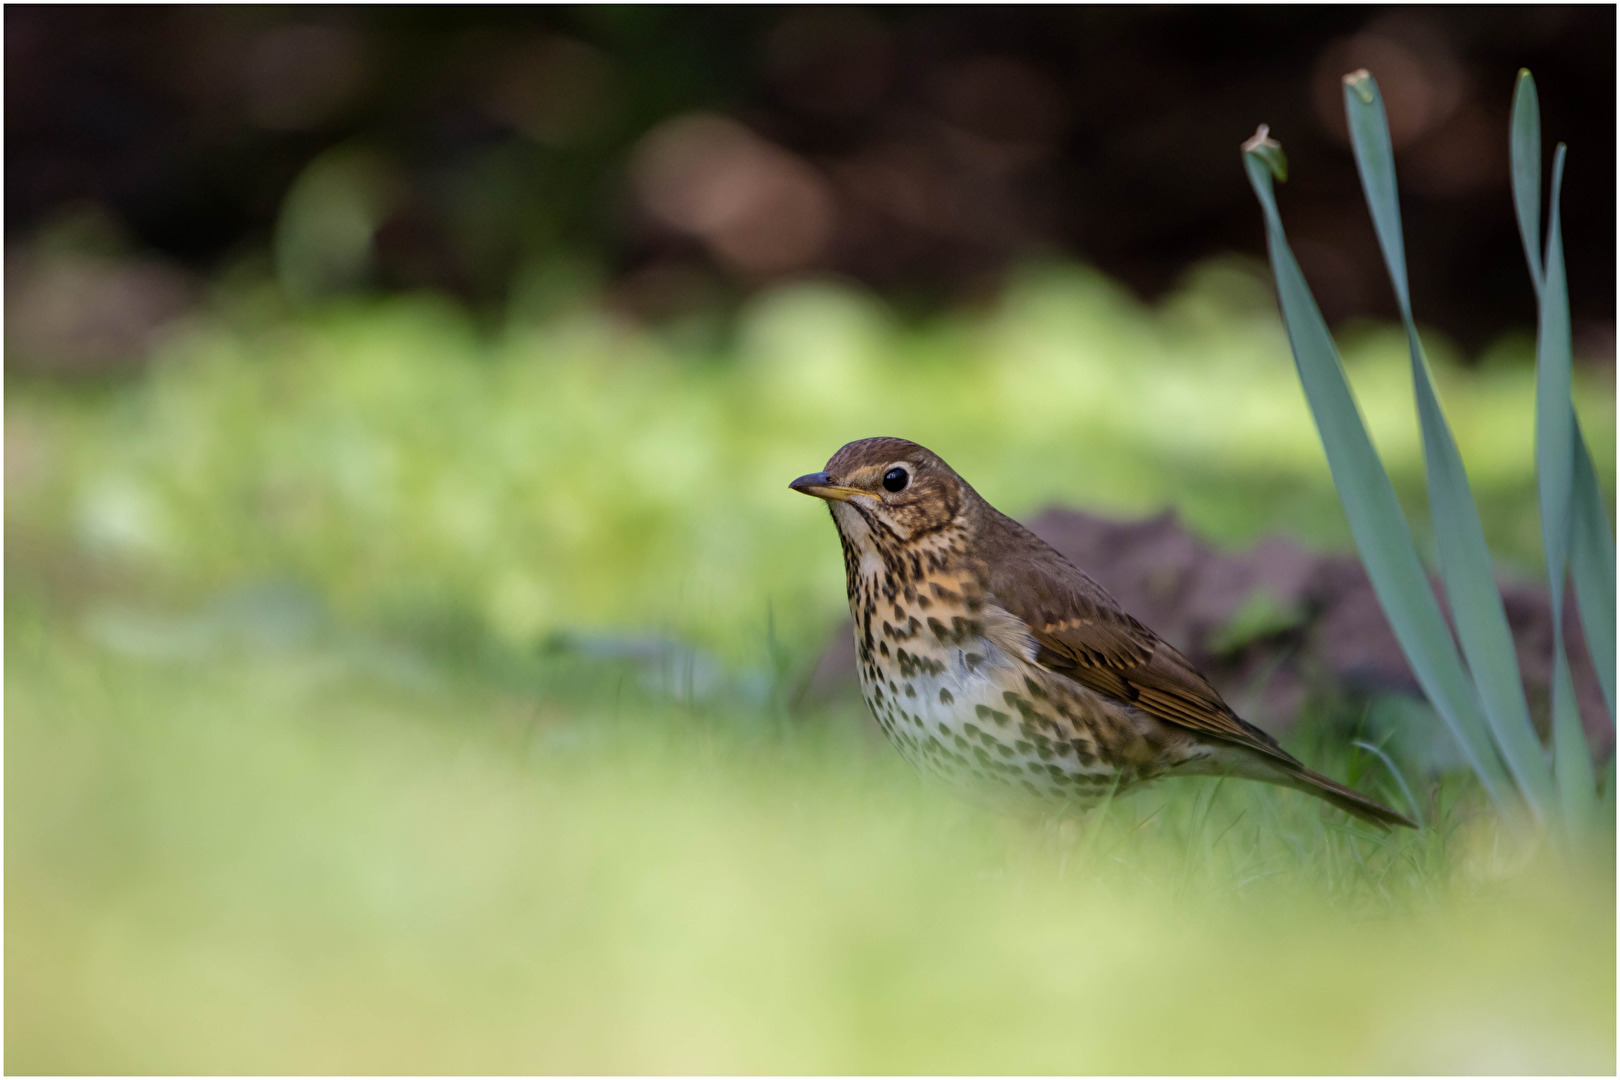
x: 987, y: 713
x: 911, y: 691
x: 973, y: 660
x: 883, y: 649
x: 945, y: 697
x: 1033, y: 687
x: 961, y: 743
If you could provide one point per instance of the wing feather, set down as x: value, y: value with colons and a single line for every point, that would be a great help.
x: 1081, y: 632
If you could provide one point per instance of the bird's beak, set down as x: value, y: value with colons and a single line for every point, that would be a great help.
x: 821, y: 486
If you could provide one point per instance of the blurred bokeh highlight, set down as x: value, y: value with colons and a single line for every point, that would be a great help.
x: 408, y: 624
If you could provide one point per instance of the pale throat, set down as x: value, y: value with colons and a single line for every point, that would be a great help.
x: 858, y: 536
x: 935, y: 553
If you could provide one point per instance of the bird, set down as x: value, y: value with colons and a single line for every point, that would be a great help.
x: 991, y: 661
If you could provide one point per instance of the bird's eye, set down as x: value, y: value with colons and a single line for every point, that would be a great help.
x: 896, y: 479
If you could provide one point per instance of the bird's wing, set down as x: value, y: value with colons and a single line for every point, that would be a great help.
x: 1081, y: 632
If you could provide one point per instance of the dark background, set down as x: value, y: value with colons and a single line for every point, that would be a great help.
x: 917, y: 149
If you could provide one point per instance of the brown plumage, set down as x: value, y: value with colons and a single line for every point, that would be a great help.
x: 990, y: 659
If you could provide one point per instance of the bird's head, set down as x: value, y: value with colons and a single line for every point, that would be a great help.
x: 886, y: 491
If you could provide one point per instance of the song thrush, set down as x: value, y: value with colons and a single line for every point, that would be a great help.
x: 991, y: 660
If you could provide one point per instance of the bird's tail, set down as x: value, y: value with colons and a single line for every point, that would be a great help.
x: 1350, y: 801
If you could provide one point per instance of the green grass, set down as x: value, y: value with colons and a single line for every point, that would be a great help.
x: 301, y: 778
x: 281, y: 862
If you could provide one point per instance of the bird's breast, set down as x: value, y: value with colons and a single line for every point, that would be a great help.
x: 951, y: 682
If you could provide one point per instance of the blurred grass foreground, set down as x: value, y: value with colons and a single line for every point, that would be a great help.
x: 391, y: 692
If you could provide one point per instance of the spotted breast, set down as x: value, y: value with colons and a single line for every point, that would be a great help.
x: 949, y: 676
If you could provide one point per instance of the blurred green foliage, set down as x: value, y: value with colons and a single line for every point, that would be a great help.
x: 570, y: 470
x: 389, y: 691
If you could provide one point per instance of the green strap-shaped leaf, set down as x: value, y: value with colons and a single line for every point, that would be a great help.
x: 1465, y: 560
x: 1574, y: 525
x: 1524, y: 131
x: 1591, y: 551
x: 1555, y: 476
x: 1572, y: 757
x: 1591, y: 566
x: 1607, y: 805
x: 1380, y: 529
